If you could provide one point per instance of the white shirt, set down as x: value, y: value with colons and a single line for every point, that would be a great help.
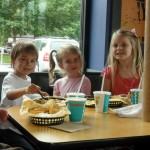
x: 10, y: 82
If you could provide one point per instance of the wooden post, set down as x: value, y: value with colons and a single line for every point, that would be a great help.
x: 146, y: 75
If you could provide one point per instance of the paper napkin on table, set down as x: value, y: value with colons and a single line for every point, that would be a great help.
x: 134, y: 111
x: 70, y: 126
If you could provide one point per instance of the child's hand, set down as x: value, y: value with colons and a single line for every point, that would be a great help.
x: 57, y: 94
x: 31, y: 89
x: 3, y: 115
x: 44, y: 93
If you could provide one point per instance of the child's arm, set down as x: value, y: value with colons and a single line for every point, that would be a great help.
x: 106, y: 74
x: 56, y: 89
x: 16, y: 93
x: 86, y: 87
x: 44, y: 93
x: 107, y: 85
x: 56, y: 94
x: 3, y: 115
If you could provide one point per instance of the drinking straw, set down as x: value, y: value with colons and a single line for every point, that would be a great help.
x: 102, y: 86
x: 80, y: 85
x: 140, y: 82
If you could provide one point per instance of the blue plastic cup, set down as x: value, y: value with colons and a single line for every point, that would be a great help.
x: 76, y: 106
x: 101, y: 101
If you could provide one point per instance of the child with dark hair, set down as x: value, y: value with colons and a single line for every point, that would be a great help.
x: 24, y: 58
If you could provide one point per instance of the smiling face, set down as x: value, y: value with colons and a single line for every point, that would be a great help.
x: 24, y: 64
x: 121, y: 48
x: 72, y: 64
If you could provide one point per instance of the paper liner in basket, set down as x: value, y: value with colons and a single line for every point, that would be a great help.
x: 47, y: 110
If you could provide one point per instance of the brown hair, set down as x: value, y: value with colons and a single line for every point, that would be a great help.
x: 66, y: 48
x: 27, y: 47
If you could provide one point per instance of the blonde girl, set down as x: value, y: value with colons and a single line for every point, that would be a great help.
x: 125, y: 63
x: 69, y: 60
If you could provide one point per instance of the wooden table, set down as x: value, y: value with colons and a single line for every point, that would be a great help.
x: 106, y: 130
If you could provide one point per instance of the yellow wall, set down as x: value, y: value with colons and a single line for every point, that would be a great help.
x: 130, y: 19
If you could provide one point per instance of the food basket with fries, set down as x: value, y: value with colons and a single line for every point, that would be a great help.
x: 115, y: 103
x: 112, y: 103
x: 119, y: 101
x: 47, y: 121
x: 44, y: 112
x: 90, y: 102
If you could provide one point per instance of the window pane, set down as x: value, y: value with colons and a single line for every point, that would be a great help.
x: 37, y: 19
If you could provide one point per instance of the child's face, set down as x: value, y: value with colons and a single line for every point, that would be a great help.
x: 24, y: 64
x: 71, y: 64
x: 121, y: 48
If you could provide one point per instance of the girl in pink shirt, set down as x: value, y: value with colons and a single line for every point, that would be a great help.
x: 125, y: 63
x: 69, y: 60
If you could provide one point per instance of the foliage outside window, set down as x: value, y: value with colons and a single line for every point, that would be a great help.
x: 39, y: 18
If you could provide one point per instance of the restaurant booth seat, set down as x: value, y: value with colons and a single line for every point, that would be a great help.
x: 41, y: 79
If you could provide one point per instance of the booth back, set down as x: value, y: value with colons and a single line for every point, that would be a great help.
x: 41, y: 79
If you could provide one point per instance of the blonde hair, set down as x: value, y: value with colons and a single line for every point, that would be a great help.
x: 20, y: 47
x: 63, y: 50
x: 137, y: 61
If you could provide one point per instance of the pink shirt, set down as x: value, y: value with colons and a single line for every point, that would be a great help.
x: 65, y: 85
x: 121, y: 85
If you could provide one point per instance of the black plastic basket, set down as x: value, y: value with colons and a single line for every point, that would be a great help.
x: 90, y: 105
x: 115, y: 104
x: 47, y: 121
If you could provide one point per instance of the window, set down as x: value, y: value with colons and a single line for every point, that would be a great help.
x: 37, y: 19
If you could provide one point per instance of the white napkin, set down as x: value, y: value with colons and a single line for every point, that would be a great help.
x: 70, y: 126
x: 129, y: 111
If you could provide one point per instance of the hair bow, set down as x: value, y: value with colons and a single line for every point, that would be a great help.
x: 134, y: 32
